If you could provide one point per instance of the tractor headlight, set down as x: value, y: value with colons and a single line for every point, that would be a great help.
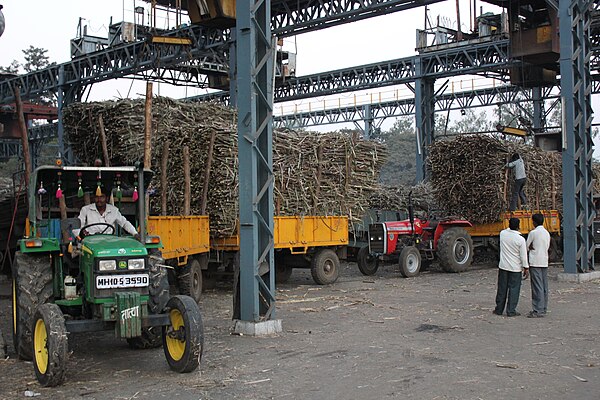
x: 136, y: 263
x: 107, y: 265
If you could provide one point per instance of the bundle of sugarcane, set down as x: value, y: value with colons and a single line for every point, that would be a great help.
x: 397, y: 198
x: 315, y: 174
x: 470, y: 179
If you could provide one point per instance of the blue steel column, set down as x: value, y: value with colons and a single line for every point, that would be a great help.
x: 255, y: 111
x: 424, y: 119
x: 575, y: 82
x: 539, y: 121
x: 232, y: 70
x: 60, y: 103
x: 368, y: 133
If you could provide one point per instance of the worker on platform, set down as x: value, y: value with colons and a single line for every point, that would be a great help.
x: 516, y: 163
x: 100, y: 212
x: 512, y: 267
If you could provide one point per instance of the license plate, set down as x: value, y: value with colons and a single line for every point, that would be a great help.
x: 121, y: 281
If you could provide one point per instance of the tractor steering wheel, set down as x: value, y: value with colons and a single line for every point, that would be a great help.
x: 107, y: 226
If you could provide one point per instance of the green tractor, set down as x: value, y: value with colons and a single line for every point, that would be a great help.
x: 66, y: 282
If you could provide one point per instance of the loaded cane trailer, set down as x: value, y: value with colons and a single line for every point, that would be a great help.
x: 186, y: 246
x: 315, y: 242
x: 488, y: 235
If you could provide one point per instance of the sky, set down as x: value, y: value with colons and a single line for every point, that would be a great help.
x: 52, y: 24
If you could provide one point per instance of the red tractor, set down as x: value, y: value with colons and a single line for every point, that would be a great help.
x: 416, y: 242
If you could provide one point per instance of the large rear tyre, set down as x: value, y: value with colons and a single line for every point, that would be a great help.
x: 455, y: 250
x: 158, y: 291
x: 32, y: 286
x: 410, y: 262
x: 50, y: 345
x: 189, y: 280
x: 325, y: 267
x: 367, y: 264
x: 183, y: 339
x: 159, y: 282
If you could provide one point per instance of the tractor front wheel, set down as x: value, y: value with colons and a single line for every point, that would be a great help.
x: 183, y: 339
x: 325, y: 267
x: 367, y: 264
x: 50, y: 345
x: 410, y: 262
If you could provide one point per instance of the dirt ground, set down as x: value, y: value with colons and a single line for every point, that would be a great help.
x: 380, y: 337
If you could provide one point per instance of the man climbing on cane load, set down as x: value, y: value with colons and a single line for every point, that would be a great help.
x: 516, y: 163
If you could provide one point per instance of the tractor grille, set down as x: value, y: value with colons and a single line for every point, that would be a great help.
x: 377, y: 238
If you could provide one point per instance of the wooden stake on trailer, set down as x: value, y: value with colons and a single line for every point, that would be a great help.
x: 209, y: 157
x: 23, y: 131
x: 148, y: 127
x: 103, y: 141
x: 187, y: 186
x: 163, y: 178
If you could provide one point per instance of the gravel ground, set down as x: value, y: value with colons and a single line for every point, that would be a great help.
x: 379, y: 337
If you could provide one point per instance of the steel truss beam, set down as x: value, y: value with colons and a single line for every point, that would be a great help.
x: 255, y: 49
x: 576, y: 84
x: 490, y: 58
x: 293, y: 17
x: 123, y: 60
x: 404, y: 107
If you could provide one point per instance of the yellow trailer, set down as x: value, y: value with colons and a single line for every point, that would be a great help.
x: 487, y: 235
x: 186, y: 245
x: 315, y: 242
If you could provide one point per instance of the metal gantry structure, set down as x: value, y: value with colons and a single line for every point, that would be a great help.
x: 179, y: 65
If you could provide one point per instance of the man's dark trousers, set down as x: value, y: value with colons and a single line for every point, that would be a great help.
x: 509, y: 286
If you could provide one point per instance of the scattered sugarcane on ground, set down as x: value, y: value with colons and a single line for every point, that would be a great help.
x: 315, y: 173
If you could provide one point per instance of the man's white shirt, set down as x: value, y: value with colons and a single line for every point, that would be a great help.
x: 538, y: 256
x: 513, y: 251
x: 90, y: 215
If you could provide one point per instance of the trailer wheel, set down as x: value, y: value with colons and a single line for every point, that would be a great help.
x: 50, y: 345
x: 325, y: 267
x: 410, y: 262
x: 554, y: 253
x: 183, y: 338
x: 189, y: 280
x: 32, y: 286
x: 455, y: 250
x: 367, y: 264
x: 282, y: 272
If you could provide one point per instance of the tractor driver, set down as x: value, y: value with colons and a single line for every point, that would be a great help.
x: 102, y: 213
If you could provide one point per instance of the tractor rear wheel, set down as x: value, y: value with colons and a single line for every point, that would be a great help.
x: 325, y: 267
x: 189, y: 280
x: 158, y: 291
x: 367, y: 264
x: 455, y: 250
x: 410, y: 262
x: 183, y: 339
x: 50, y: 345
x: 32, y: 286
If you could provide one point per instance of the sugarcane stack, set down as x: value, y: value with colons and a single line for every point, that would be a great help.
x: 470, y: 179
x: 315, y: 174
